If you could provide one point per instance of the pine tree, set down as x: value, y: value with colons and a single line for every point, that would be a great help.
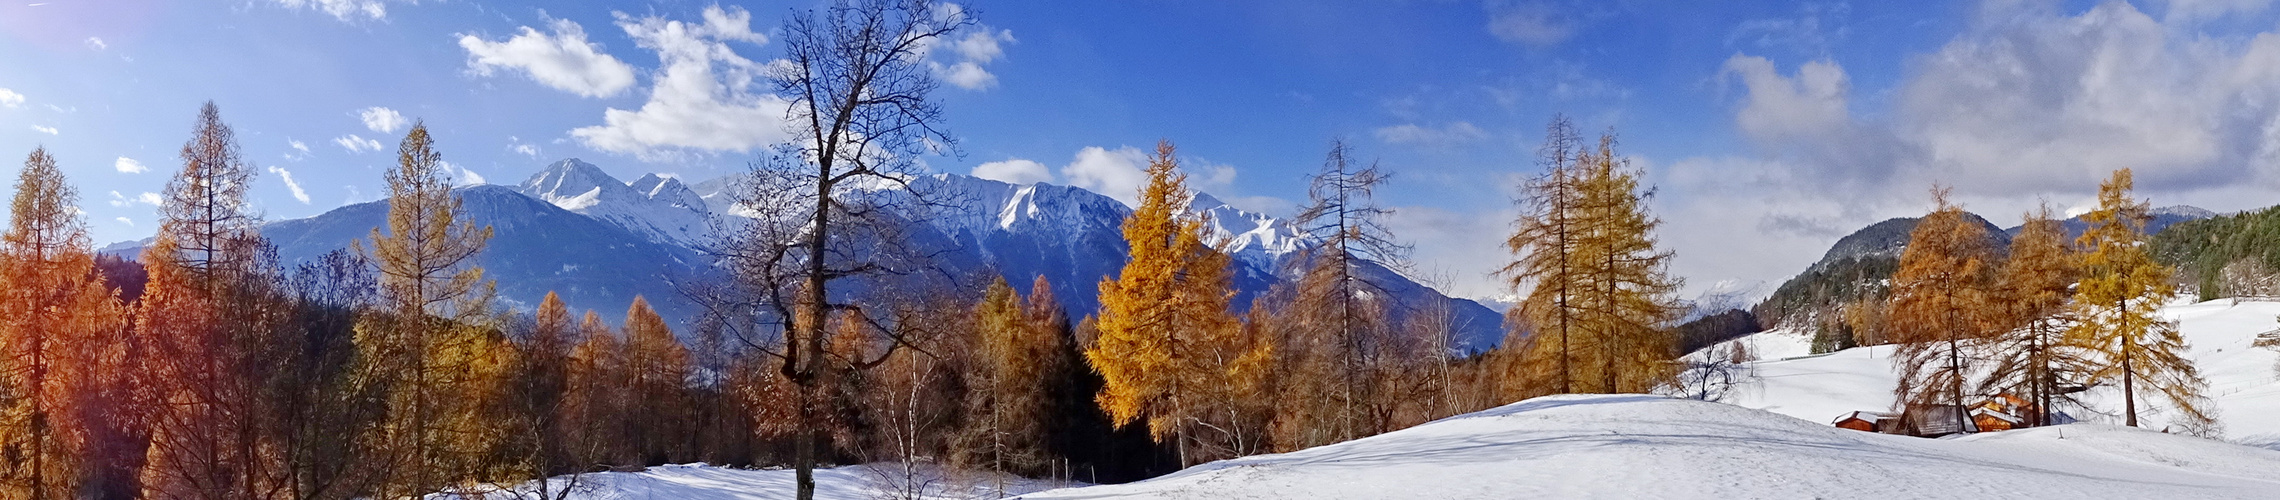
x: 1539, y: 356
x: 1940, y: 306
x: 1008, y: 387
x: 1627, y: 305
x: 2033, y: 289
x: 433, y: 350
x: 542, y: 380
x: 1336, y: 330
x: 1168, y: 347
x: 55, y: 319
x: 2116, y: 303
x: 658, y: 368
x: 594, y: 401
x: 209, y: 319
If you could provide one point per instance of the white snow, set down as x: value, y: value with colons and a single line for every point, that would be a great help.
x: 706, y: 482
x: 1643, y: 446
x: 2241, y: 379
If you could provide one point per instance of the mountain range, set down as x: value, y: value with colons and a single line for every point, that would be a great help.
x: 598, y: 241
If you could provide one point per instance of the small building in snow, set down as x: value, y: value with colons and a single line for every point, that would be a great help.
x: 1869, y: 421
x: 1991, y: 420
x: 1935, y: 421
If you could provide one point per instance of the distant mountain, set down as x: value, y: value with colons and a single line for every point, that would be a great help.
x: 599, y: 241
x: 2162, y: 218
x: 1861, y: 264
x: 1887, y: 239
x: 1858, y: 265
x: 535, y: 247
x: 660, y: 209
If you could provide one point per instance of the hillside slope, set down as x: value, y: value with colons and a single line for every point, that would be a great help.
x: 2241, y: 378
x: 1639, y: 446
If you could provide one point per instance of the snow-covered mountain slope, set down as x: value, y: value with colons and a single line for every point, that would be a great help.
x: 1074, y: 238
x: 535, y: 247
x: 2241, y: 379
x: 704, y: 482
x: 1638, y: 446
x: 659, y: 208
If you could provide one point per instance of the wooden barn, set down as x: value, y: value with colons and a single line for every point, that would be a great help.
x: 1991, y: 420
x: 1869, y: 421
x: 1935, y: 421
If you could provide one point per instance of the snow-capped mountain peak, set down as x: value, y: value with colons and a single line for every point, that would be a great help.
x: 658, y: 207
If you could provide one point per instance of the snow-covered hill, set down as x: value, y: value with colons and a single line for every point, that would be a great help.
x: 2241, y: 379
x: 1638, y: 446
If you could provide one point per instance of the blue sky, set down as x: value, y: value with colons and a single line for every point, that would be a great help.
x: 1768, y: 128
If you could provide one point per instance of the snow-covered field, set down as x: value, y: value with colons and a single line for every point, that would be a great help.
x: 704, y: 482
x: 1634, y: 446
x: 2241, y: 379
x: 1641, y: 446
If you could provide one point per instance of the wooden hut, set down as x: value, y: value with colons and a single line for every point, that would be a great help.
x: 1935, y: 421
x: 1868, y: 421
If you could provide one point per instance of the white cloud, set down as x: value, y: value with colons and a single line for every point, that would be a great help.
x: 516, y: 145
x: 1017, y: 171
x: 9, y: 98
x: 463, y: 176
x: 705, y: 97
x: 972, y: 51
x: 563, y: 60
x: 356, y: 144
x: 382, y: 120
x: 966, y: 75
x: 1457, y: 248
x: 129, y: 166
x: 97, y: 43
x: 1535, y: 24
x: 127, y: 221
x: 2186, y: 11
x: 342, y: 9
x: 1117, y: 173
x: 46, y: 130
x: 147, y: 198
x: 302, y: 146
x: 290, y: 184
x: 1446, y: 136
x: 2029, y: 102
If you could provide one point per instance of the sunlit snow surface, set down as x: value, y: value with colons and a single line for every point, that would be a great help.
x: 1641, y: 446
x: 2241, y: 378
x: 1637, y: 446
x: 705, y: 482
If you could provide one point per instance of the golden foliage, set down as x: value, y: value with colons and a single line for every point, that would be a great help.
x: 2115, y: 301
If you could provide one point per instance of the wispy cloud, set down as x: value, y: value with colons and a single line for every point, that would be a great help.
x: 147, y: 198
x: 344, y: 10
x: 964, y: 69
x: 46, y: 130
x: 356, y: 144
x: 382, y: 120
x: 10, y: 99
x: 516, y: 145
x: 127, y: 165
x: 290, y: 184
x: 1446, y: 136
x: 97, y: 43
x: 1537, y: 24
